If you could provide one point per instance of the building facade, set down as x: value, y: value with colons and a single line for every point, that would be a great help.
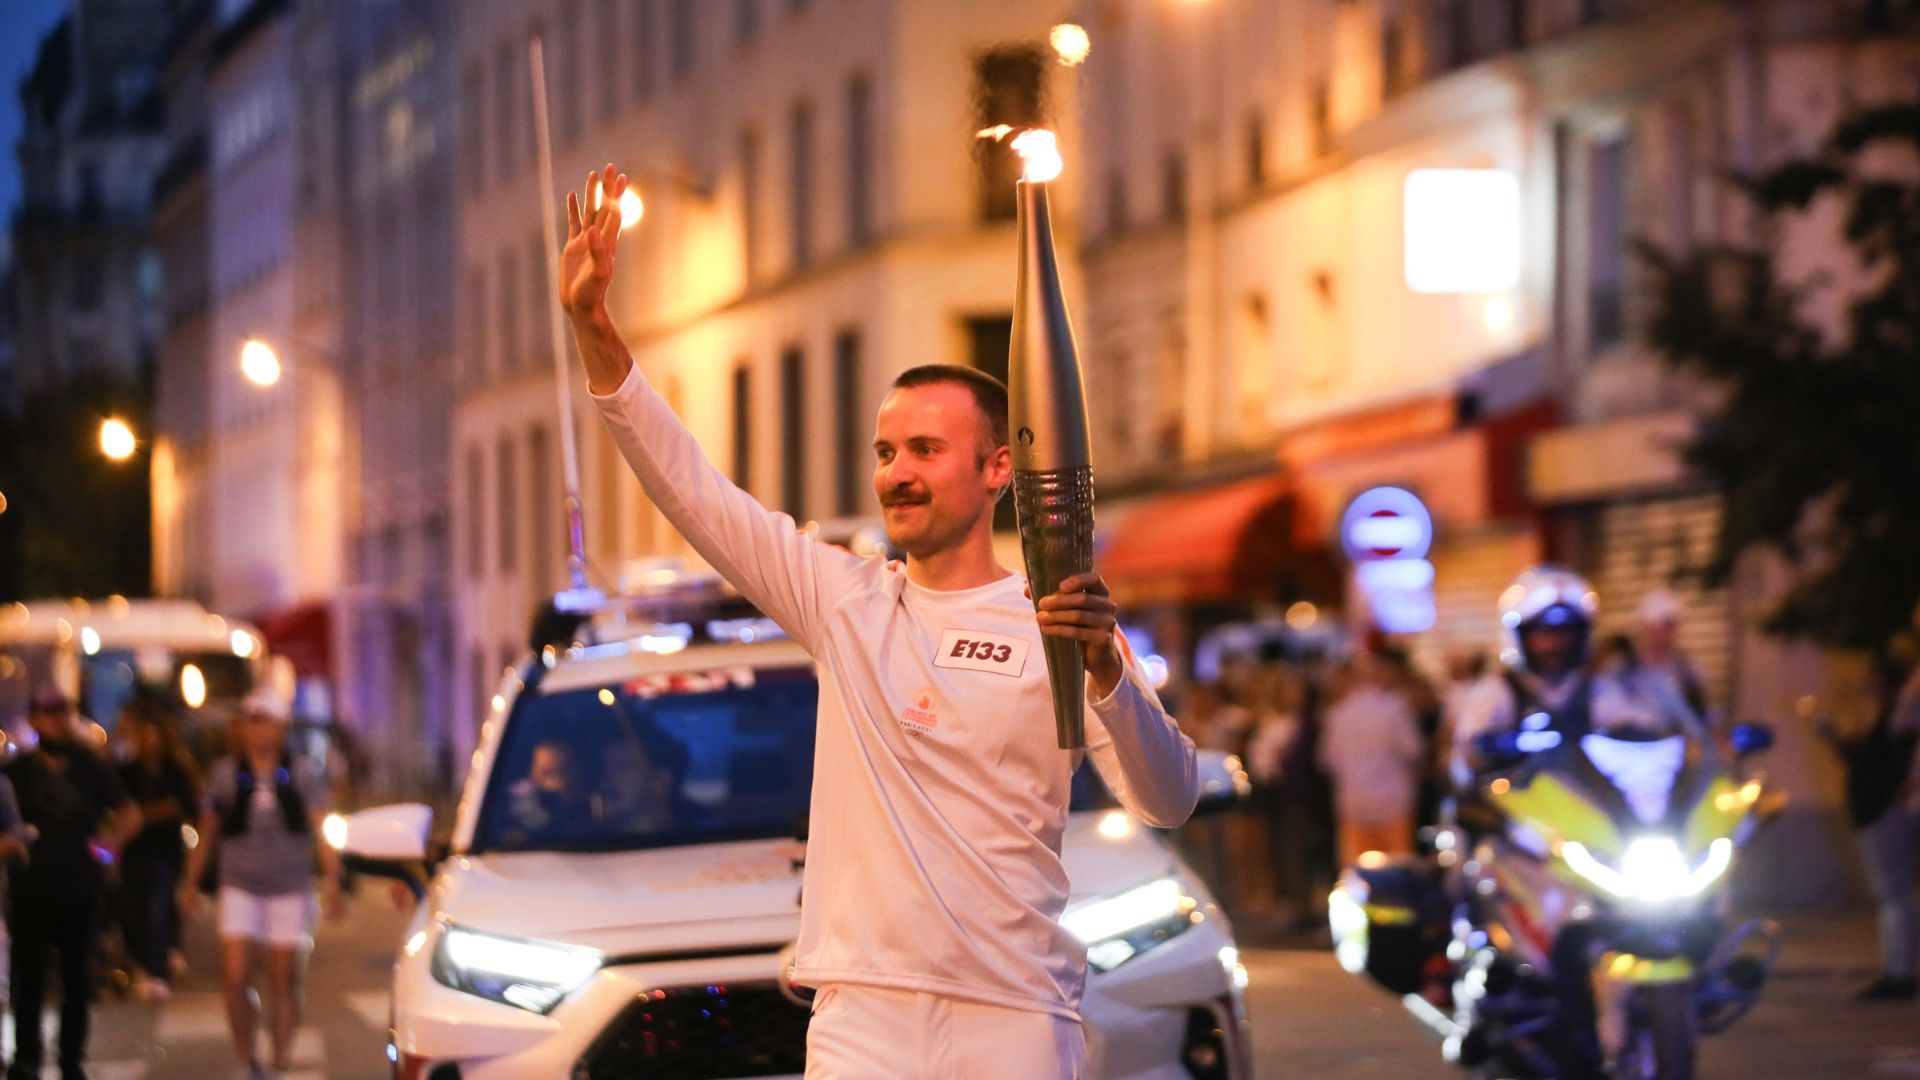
x: 819, y: 215
x: 86, y: 278
x: 1252, y: 257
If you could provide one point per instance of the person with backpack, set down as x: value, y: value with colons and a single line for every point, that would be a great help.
x: 262, y: 815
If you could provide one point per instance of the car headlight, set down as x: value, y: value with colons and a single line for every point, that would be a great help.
x: 531, y: 975
x: 1121, y: 926
x: 1653, y: 868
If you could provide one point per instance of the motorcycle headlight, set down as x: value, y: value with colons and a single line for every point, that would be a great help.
x: 1653, y: 869
x: 1121, y: 926
x: 530, y: 975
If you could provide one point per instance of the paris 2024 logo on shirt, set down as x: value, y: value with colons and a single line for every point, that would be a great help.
x: 919, y: 718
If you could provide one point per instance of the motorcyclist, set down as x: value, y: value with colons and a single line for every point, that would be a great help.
x: 1546, y: 619
x: 1549, y: 696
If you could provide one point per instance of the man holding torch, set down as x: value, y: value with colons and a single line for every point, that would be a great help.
x: 933, y: 883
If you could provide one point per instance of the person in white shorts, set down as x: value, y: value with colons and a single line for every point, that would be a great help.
x: 933, y: 884
x: 262, y: 816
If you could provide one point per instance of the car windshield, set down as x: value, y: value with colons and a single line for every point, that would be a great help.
x: 691, y: 758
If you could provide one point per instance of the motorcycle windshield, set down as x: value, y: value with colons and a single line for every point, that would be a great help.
x: 1643, y: 771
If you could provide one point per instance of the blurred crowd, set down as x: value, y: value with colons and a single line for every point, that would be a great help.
x: 107, y: 840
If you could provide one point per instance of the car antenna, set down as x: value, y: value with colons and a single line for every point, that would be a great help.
x: 578, y: 596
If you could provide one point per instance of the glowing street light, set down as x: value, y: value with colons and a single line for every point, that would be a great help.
x: 116, y: 439
x: 1070, y: 43
x: 259, y: 363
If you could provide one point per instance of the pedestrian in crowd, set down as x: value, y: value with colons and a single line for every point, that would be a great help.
x: 82, y: 818
x: 934, y: 885
x: 1372, y: 749
x: 1883, y: 801
x: 1282, y: 775
x: 159, y: 776
x: 262, y: 815
x: 1404, y: 679
x: 1657, y: 651
x: 15, y: 836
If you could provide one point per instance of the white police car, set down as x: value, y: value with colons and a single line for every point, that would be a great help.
x: 623, y: 877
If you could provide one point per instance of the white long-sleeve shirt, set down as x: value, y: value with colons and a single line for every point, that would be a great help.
x: 940, y: 793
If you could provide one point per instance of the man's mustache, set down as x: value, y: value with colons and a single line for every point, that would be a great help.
x: 903, y: 498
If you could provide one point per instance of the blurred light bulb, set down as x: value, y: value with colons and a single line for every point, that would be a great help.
x: 259, y: 363
x: 631, y: 209
x: 1070, y: 43
x: 193, y: 686
x: 116, y: 439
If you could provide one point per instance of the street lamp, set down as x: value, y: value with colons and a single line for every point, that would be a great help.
x: 259, y: 363
x: 116, y: 439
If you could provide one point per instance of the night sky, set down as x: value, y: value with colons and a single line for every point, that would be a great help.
x: 22, y: 24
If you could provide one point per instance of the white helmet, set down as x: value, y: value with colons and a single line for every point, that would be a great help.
x: 1545, y: 595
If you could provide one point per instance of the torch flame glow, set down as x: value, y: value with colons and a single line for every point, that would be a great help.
x: 1041, y: 152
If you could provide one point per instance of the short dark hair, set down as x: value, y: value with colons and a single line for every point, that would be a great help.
x: 989, y: 393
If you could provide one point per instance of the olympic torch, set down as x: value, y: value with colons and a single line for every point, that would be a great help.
x: 1047, y: 413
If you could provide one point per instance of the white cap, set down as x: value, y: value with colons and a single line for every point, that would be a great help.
x: 265, y: 701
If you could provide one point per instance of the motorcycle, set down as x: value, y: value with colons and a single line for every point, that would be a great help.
x: 1568, y: 919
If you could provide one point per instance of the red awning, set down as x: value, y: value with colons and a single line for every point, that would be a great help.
x: 1220, y: 543
x: 304, y: 635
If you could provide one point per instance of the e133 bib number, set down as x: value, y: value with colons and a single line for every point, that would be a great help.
x: 978, y: 650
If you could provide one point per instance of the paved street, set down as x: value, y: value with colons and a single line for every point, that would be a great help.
x: 1311, y: 1019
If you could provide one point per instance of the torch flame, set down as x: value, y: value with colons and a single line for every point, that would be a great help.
x: 1041, y: 152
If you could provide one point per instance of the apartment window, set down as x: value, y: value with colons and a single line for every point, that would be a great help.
x: 1009, y: 87
x: 1320, y: 114
x: 989, y: 341
x: 476, y: 514
x: 750, y: 200
x: 540, y: 301
x: 800, y: 174
x: 1393, y: 72
x: 610, y: 39
x: 1679, y: 168
x: 476, y: 354
x: 742, y: 431
x: 1173, y: 186
x: 85, y: 283
x: 1456, y: 35
x: 746, y: 20
x: 473, y: 124
x: 1256, y: 148
x: 1606, y: 241
x: 681, y: 30
x: 859, y: 161
x: 482, y: 683
x: 506, y: 507
x: 541, y: 481
x: 793, y: 420
x: 569, y: 61
x: 506, y: 142
x: 645, y: 49
x: 1116, y: 200
x: 848, y: 424
x: 509, y: 314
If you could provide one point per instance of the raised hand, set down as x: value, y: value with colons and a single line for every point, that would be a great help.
x: 586, y: 263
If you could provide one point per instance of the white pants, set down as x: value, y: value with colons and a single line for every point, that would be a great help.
x: 870, y: 1033
x: 284, y: 921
